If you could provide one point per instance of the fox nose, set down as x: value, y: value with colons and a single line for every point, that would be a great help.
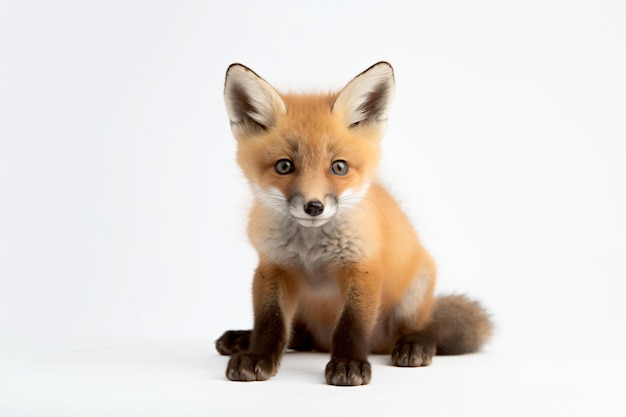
x: 314, y: 208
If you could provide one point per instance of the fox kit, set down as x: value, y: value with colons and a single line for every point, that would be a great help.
x: 341, y: 269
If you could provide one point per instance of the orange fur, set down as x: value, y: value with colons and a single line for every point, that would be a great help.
x: 337, y: 254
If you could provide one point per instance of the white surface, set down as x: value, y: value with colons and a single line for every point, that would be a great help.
x: 179, y: 378
x: 121, y: 207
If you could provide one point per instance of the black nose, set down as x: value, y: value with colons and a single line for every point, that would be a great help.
x: 314, y: 208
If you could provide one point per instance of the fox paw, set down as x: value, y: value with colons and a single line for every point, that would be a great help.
x: 247, y: 367
x: 233, y: 341
x: 412, y: 351
x: 348, y: 372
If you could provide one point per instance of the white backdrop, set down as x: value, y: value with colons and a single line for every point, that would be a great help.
x: 123, y: 211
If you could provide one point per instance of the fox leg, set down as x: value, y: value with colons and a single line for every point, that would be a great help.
x: 415, y: 349
x: 274, y: 302
x: 233, y: 341
x: 350, y: 343
x: 458, y: 325
x: 411, y: 319
x: 301, y: 338
x: 417, y: 343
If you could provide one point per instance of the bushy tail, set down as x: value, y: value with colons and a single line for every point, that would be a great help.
x: 461, y: 325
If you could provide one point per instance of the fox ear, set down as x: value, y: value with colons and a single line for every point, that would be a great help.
x: 252, y: 104
x: 366, y: 99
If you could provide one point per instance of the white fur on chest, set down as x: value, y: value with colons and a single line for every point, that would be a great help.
x: 311, y: 249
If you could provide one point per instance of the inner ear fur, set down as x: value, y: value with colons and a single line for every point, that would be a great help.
x: 251, y: 102
x: 367, y: 98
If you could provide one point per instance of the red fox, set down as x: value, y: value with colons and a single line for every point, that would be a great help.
x: 341, y: 269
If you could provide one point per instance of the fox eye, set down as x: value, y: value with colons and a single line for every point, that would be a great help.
x: 284, y: 167
x: 339, y: 167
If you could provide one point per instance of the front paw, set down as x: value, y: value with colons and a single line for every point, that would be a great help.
x: 249, y: 367
x: 233, y: 341
x: 412, y: 351
x: 348, y: 372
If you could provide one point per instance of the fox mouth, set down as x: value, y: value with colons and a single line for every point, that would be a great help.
x: 304, y: 219
x: 311, y: 221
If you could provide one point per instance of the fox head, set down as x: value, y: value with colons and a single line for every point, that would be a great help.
x: 309, y: 157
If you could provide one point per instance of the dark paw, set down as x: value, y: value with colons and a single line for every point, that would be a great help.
x: 413, y: 351
x: 348, y: 372
x: 248, y: 367
x: 233, y: 341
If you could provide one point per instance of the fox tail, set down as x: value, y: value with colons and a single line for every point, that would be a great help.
x: 461, y: 325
